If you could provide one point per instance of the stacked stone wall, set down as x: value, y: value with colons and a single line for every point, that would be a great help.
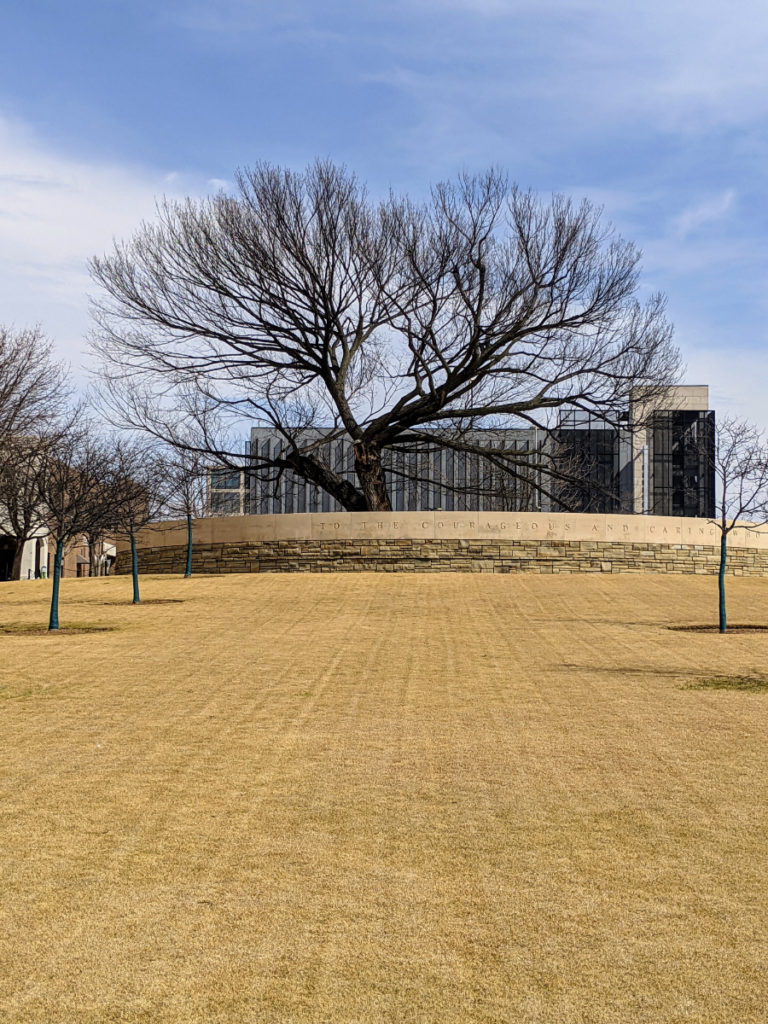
x: 447, y: 555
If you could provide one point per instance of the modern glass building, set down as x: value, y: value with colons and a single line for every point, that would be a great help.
x: 657, y: 460
x: 595, y: 459
x: 681, y: 471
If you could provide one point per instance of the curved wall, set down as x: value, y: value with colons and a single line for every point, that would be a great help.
x: 448, y: 541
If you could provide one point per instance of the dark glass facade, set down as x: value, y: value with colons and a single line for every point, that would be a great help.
x: 671, y: 474
x: 682, y: 473
x: 594, y: 459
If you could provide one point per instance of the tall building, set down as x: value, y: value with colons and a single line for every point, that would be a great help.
x: 659, y: 459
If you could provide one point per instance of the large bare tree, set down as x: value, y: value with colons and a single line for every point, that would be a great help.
x: 300, y: 302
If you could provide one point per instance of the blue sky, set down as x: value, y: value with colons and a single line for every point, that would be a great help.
x: 656, y: 110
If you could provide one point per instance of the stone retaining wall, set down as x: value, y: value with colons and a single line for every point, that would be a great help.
x: 446, y: 555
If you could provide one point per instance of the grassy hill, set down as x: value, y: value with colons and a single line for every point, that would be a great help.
x: 365, y: 798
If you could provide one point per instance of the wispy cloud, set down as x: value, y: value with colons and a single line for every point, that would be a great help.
x: 658, y: 110
x: 690, y: 220
x: 55, y: 213
x: 588, y: 66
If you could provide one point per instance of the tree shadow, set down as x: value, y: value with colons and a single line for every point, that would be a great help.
x: 738, y: 627
x: 34, y: 629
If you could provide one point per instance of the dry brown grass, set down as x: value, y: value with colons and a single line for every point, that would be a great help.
x: 383, y: 799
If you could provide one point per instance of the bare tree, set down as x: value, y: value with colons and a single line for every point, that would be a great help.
x: 300, y: 302
x: 22, y: 513
x: 33, y: 386
x: 96, y: 547
x: 33, y: 393
x: 137, y: 493
x: 73, y: 487
x: 741, y: 475
x: 186, y: 481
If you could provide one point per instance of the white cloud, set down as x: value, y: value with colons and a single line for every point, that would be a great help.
x: 686, y: 68
x: 56, y: 212
x: 735, y: 379
x: 689, y: 220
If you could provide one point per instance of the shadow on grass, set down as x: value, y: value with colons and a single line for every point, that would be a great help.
x: 745, y: 684
x: 33, y: 629
x: 737, y: 628
x: 625, y: 670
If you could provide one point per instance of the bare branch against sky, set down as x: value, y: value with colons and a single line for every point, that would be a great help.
x: 301, y: 304
x: 656, y: 111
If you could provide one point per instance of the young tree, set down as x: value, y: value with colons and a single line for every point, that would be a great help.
x: 33, y: 391
x: 73, y: 487
x: 741, y: 474
x: 95, y: 538
x: 137, y: 494
x: 299, y: 303
x: 186, y: 478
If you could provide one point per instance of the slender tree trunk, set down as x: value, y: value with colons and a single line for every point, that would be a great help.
x: 53, y: 621
x: 93, y: 556
x: 721, y: 583
x: 370, y: 473
x: 135, y: 569
x: 189, y: 546
x: 18, y: 554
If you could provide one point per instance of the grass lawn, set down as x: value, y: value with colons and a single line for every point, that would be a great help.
x: 384, y: 798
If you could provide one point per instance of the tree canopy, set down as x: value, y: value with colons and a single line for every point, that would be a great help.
x: 300, y: 302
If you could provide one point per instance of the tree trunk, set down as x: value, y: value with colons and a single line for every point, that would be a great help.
x: 721, y: 583
x: 188, y: 571
x: 370, y: 473
x: 18, y: 554
x: 53, y: 621
x: 135, y: 570
x: 93, y: 565
x: 342, y: 490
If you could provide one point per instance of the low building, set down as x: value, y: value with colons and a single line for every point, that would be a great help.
x: 34, y: 559
x: 659, y: 459
x: 39, y: 553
